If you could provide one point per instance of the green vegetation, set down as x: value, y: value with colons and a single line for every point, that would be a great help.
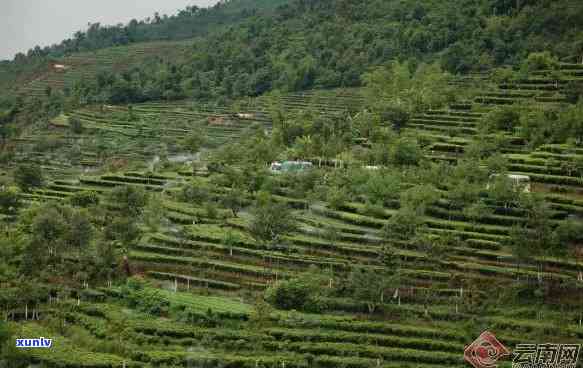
x: 141, y: 225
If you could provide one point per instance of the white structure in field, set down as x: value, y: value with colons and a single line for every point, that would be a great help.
x: 290, y: 166
x: 521, y: 183
x: 60, y: 67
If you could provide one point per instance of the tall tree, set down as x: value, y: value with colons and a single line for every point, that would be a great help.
x: 271, y: 220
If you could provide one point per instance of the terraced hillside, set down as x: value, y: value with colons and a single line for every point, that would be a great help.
x: 138, y: 134
x: 62, y: 73
x: 205, y: 269
x: 292, y: 183
x: 453, y: 128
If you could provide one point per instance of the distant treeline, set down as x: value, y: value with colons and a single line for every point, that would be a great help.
x: 331, y: 43
x: 187, y: 23
x: 254, y: 46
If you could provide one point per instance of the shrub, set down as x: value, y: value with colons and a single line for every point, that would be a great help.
x: 85, y: 199
x: 289, y: 295
x: 75, y: 125
x: 9, y: 200
x: 337, y: 197
x: 6, y: 156
x: 373, y: 210
x: 196, y: 192
x: 406, y: 151
x: 574, y: 91
x: 28, y: 177
x: 123, y: 229
x: 234, y: 200
x: 301, y: 293
x: 143, y: 298
x: 503, y: 118
x: 404, y: 225
x: 210, y: 210
x: 570, y: 125
x: 80, y: 230
x: 503, y: 75
x: 129, y: 199
x: 569, y: 232
x: 48, y: 144
x: 195, y: 141
x: 419, y: 197
x: 271, y: 220
x: 397, y: 116
x: 380, y: 188
x: 540, y: 61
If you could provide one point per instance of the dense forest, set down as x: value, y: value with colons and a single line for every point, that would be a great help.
x: 187, y: 23
x: 321, y: 44
x: 325, y: 44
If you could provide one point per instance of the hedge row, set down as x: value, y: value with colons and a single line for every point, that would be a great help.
x: 536, y: 169
x: 113, y: 184
x: 453, y: 215
x: 549, y: 329
x: 351, y: 218
x: 473, y: 115
x: 347, y: 249
x: 552, y: 148
x: 507, y: 270
x: 133, y: 180
x: 326, y: 223
x: 216, y: 234
x: 464, y: 226
x: 150, y: 175
x: 186, y: 248
x: 325, y: 361
x: 553, y: 179
x: 378, y: 328
x: 194, y: 281
x: 194, y: 262
x: 483, y: 244
x: 303, y: 335
x: 216, y: 360
x: 178, y: 331
x: 446, y: 147
x: 360, y: 350
x: 198, y: 212
x: 407, y: 309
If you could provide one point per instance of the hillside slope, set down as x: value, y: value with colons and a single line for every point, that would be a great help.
x: 63, y: 73
x: 188, y: 23
x: 330, y: 44
x: 200, y: 270
x: 144, y: 221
